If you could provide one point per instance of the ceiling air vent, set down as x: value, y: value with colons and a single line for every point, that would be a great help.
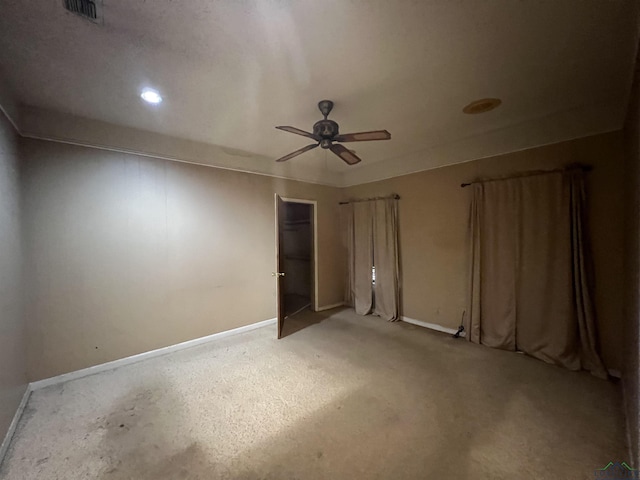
x: 89, y: 9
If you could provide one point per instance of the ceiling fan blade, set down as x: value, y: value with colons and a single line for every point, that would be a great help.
x: 297, y: 131
x: 297, y: 152
x: 363, y: 136
x: 345, y: 154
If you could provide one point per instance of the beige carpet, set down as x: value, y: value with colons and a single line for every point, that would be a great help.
x: 346, y: 398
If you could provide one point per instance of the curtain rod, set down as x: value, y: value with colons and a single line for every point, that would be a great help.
x: 394, y: 196
x: 584, y: 168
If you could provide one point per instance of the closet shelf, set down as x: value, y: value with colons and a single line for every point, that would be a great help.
x: 297, y: 257
x: 297, y: 222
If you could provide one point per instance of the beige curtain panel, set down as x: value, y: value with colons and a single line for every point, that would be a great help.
x: 346, y: 224
x: 530, y: 271
x: 362, y: 258
x: 385, y: 258
x: 371, y: 236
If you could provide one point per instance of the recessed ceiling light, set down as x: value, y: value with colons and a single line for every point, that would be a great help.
x: 482, y: 105
x: 151, y: 96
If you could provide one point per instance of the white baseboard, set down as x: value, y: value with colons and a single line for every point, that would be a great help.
x: 103, y: 367
x: 329, y: 307
x: 432, y: 326
x: 14, y: 423
x: 85, y: 372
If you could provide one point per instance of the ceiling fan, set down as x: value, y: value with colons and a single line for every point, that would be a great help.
x: 325, y: 132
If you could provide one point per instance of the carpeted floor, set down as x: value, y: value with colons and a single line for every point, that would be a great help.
x: 347, y: 397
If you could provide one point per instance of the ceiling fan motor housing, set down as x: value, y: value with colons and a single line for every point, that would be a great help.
x: 325, y: 129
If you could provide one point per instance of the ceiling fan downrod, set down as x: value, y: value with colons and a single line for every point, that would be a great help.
x: 325, y: 107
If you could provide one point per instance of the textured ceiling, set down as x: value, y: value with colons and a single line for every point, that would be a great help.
x: 231, y: 70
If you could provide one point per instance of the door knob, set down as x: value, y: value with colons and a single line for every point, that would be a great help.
x: 277, y: 274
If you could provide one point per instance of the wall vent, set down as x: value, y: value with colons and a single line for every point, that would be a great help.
x: 89, y: 9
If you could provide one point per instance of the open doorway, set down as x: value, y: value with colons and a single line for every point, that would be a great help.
x: 297, y: 257
x: 297, y: 249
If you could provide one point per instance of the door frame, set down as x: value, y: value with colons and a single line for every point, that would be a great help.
x: 314, y: 225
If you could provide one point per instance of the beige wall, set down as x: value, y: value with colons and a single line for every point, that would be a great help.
x: 631, y: 365
x: 434, y: 213
x: 13, y: 378
x: 128, y: 253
